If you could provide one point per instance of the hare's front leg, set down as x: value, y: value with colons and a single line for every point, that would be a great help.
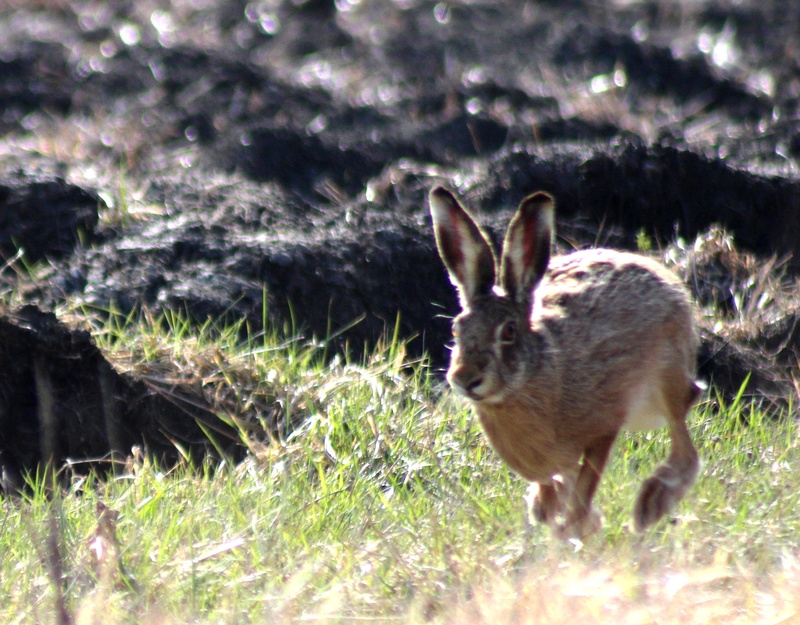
x: 545, y: 504
x: 581, y: 520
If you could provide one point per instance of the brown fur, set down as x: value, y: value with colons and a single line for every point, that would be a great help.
x: 607, y: 340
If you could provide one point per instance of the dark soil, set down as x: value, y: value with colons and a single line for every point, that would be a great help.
x: 194, y: 155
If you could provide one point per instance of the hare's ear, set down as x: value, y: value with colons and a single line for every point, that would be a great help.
x: 526, y: 249
x: 464, y: 249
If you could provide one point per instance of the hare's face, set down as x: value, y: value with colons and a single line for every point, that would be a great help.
x: 488, y: 358
x: 495, y: 346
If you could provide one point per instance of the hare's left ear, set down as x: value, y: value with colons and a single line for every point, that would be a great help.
x: 526, y: 249
x: 462, y: 246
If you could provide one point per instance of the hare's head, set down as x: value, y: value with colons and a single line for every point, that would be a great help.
x: 495, y: 346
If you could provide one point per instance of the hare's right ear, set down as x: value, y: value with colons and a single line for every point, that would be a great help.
x: 526, y: 248
x: 463, y: 247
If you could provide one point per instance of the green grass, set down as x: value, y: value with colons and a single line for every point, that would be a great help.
x: 380, y: 500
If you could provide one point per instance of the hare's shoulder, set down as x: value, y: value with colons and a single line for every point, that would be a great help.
x: 607, y: 278
x: 600, y: 267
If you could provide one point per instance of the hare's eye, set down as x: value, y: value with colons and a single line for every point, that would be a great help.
x: 508, y: 332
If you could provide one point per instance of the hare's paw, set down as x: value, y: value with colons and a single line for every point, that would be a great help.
x: 657, y: 496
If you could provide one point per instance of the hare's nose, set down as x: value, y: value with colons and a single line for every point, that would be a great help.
x: 466, y: 381
x: 474, y: 383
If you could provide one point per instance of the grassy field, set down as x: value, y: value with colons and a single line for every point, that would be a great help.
x: 380, y: 501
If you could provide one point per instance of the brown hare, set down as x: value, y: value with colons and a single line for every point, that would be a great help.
x: 558, y: 355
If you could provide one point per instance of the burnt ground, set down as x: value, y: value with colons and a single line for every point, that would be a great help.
x: 197, y: 154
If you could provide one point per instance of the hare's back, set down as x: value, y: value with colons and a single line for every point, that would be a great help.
x: 610, y: 287
x: 623, y: 331
x: 615, y: 307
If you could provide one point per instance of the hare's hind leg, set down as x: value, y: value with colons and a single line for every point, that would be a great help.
x: 670, y: 481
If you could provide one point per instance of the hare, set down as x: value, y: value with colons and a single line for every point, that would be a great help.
x: 558, y: 355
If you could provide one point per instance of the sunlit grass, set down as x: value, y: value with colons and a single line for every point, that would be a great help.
x: 381, y: 500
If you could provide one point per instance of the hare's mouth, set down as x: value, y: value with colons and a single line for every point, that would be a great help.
x: 480, y: 395
x: 477, y: 384
x: 473, y: 394
x: 493, y: 398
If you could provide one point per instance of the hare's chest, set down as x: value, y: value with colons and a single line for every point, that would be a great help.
x: 527, y: 446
